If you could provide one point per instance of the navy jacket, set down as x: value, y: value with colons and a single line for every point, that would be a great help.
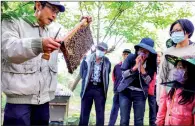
x: 133, y: 79
x: 86, y: 71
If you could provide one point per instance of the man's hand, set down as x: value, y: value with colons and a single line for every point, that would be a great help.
x: 89, y: 18
x: 49, y: 44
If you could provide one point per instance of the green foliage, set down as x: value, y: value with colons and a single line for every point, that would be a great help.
x: 16, y: 10
x: 132, y: 20
x: 73, y: 119
x: 122, y: 18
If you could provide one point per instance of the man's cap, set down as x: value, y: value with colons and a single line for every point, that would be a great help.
x: 103, y: 45
x: 58, y: 5
x: 126, y: 51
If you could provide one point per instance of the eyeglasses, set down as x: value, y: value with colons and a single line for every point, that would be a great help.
x: 53, y: 9
x: 177, y: 30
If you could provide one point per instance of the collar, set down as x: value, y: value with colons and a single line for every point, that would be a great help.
x: 32, y: 20
x: 94, y: 58
x: 190, y: 42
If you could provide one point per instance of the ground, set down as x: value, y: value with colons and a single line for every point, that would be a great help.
x: 74, y: 107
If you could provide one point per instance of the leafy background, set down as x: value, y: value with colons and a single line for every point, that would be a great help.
x: 120, y: 24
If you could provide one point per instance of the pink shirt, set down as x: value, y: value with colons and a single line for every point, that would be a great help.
x: 177, y: 114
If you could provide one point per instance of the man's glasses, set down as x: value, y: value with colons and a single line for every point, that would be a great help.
x: 53, y: 9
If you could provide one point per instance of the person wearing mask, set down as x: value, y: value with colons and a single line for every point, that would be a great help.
x: 94, y: 71
x: 177, y: 105
x: 28, y: 80
x: 137, y: 71
x: 116, y: 77
x: 180, y: 31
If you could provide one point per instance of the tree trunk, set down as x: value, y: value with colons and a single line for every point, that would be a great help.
x: 73, y: 86
x: 98, y: 22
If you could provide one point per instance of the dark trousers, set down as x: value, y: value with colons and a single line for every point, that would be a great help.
x: 114, y: 111
x: 152, y: 109
x: 126, y: 98
x: 26, y: 114
x: 156, y: 108
x: 96, y: 94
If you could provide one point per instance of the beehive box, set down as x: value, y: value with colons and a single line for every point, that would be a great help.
x: 58, y: 107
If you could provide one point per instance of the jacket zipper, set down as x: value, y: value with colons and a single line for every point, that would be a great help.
x: 39, y: 88
x: 39, y: 97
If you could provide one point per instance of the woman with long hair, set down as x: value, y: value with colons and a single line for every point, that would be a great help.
x: 137, y: 72
x: 177, y: 105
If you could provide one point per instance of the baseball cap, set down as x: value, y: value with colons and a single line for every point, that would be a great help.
x: 103, y: 45
x: 58, y: 5
x: 126, y: 51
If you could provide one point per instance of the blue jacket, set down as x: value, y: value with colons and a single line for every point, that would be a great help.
x: 85, y: 72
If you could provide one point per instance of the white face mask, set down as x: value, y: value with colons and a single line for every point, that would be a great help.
x: 100, y: 53
x: 178, y: 37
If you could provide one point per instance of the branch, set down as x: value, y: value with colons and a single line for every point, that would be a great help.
x: 80, y: 8
x: 111, y: 49
x: 73, y: 86
x: 111, y: 24
x: 121, y: 44
x: 114, y: 46
x: 115, y: 39
x: 109, y: 38
x: 118, y: 41
x: 138, y: 20
x: 98, y: 22
x: 114, y: 20
x: 86, y: 9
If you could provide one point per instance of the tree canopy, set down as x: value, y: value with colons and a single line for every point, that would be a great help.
x: 125, y: 20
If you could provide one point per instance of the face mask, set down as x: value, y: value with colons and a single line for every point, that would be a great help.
x: 178, y: 75
x: 177, y: 37
x: 142, y: 54
x: 99, y: 53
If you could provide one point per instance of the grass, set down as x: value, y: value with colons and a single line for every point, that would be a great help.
x: 75, y: 103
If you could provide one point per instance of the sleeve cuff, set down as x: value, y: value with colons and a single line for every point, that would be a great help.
x: 146, y: 78
x: 37, y: 46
